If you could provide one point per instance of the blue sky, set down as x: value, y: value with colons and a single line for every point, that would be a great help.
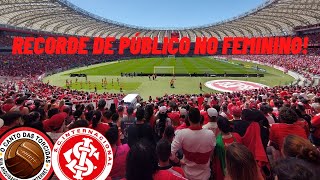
x: 167, y: 13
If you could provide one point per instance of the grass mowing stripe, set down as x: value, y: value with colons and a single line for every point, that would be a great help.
x: 183, y: 65
x: 193, y: 64
x: 204, y: 66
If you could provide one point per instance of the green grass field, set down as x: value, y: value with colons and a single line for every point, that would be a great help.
x: 145, y: 87
x: 191, y: 65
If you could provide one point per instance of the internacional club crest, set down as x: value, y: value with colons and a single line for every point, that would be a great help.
x: 25, y: 153
x: 227, y: 85
x: 82, y: 154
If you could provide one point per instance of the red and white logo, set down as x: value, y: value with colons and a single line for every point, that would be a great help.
x: 82, y: 154
x: 233, y: 85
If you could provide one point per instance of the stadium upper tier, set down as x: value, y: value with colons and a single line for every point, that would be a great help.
x: 273, y: 18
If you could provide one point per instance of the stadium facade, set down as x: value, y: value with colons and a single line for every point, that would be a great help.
x: 273, y: 18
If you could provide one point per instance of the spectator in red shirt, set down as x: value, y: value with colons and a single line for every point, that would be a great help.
x: 204, y: 114
x: 56, y: 123
x: 119, y: 154
x: 174, y: 114
x: 97, y: 123
x: 253, y: 138
x: 283, y: 93
x: 163, y: 151
x: 236, y: 113
x: 224, y: 139
x: 200, y: 100
x: 55, y: 126
x: 315, y: 136
x: 231, y: 105
x: 279, y: 131
x: 214, y: 101
x: 8, y: 104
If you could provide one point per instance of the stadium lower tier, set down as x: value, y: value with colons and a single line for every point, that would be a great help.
x: 289, y: 113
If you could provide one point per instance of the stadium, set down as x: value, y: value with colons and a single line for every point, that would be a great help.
x: 261, y: 89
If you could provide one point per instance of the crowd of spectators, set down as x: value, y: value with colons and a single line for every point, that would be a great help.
x: 314, y: 38
x: 258, y: 134
x: 35, y: 65
x: 6, y: 40
x: 306, y: 65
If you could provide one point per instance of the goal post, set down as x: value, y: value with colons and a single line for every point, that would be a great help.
x: 163, y: 70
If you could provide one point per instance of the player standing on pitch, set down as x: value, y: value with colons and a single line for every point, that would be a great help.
x: 121, y: 87
x: 172, y: 83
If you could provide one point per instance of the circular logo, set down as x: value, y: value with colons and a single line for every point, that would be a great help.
x: 233, y: 85
x: 82, y: 153
x: 25, y: 153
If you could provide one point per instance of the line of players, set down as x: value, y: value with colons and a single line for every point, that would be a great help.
x: 154, y: 77
x: 104, y: 84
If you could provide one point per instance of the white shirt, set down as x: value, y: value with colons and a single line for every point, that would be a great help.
x: 197, y: 146
x: 213, y: 126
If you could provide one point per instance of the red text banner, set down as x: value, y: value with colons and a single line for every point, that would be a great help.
x: 166, y: 46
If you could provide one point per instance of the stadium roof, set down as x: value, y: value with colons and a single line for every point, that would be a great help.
x: 273, y: 18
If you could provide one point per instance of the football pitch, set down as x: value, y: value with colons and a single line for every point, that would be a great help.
x: 147, y: 87
x: 189, y: 65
